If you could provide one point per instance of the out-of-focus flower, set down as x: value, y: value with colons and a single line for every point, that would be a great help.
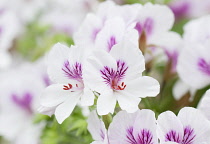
x: 194, y: 65
x: 138, y: 128
x: 117, y: 77
x: 25, y: 10
x: 194, y: 61
x: 19, y: 99
x: 66, y: 16
x: 97, y: 129
x: 65, y: 68
x: 190, y: 126
x: 189, y: 8
x: 204, y: 104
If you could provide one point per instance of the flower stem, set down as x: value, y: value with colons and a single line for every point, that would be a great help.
x: 107, y: 119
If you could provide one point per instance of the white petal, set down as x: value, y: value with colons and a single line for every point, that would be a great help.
x: 106, y: 102
x: 87, y: 32
x: 128, y: 51
x: 146, y: 121
x: 180, y: 89
x: 53, y: 95
x: 56, y: 58
x: 87, y: 99
x: 143, y: 87
x: 204, y: 104
x: 127, y: 102
x: 162, y: 16
x: 46, y: 110
x: 118, y: 128
x: 167, y: 122
x: 110, y: 34
x: 197, y: 121
x: 65, y: 109
x: 96, y: 127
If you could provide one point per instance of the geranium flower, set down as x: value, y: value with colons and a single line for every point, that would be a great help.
x: 65, y: 69
x: 189, y: 127
x: 117, y: 77
x: 194, y: 65
x: 19, y: 101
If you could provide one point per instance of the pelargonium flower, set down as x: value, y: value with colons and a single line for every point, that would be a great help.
x: 97, y: 129
x: 152, y: 21
x: 194, y: 65
x: 135, y: 128
x: 204, y: 104
x: 189, y: 127
x: 19, y: 100
x: 65, y: 69
x: 117, y: 76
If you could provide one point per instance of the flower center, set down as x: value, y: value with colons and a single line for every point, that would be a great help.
x: 113, y: 78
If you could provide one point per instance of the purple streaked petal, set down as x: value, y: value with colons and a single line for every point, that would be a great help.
x: 139, y: 27
x: 180, y: 10
x: 74, y: 71
x: 173, y: 136
x: 102, y: 134
x: 111, y: 42
x: 46, y: 80
x: 189, y: 135
x: 148, y: 26
x: 25, y: 102
x: 144, y: 137
x: 204, y: 66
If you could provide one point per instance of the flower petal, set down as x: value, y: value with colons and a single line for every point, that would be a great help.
x: 106, y: 102
x: 143, y: 87
x: 53, y: 95
x: 169, y: 127
x: 65, y: 109
x: 96, y: 127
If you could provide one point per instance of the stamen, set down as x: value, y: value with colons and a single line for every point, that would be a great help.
x: 67, y: 87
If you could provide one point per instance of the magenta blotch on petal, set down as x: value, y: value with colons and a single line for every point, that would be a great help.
x: 112, y: 41
x: 24, y: 102
x: 204, y: 66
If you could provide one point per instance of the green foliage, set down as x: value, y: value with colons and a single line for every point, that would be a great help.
x: 72, y: 131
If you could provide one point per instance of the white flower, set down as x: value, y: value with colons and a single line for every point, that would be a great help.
x: 19, y: 99
x: 204, y: 104
x: 65, y: 68
x: 189, y: 127
x: 135, y: 128
x: 117, y: 77
x: 153, y: 21
x: 194, y: 65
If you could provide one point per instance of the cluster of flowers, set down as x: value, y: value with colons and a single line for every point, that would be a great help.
x: 107, y: 64
x: 109, y: 68
x: 142, y: 127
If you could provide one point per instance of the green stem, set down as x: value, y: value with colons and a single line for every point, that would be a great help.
x: 107, y: 119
